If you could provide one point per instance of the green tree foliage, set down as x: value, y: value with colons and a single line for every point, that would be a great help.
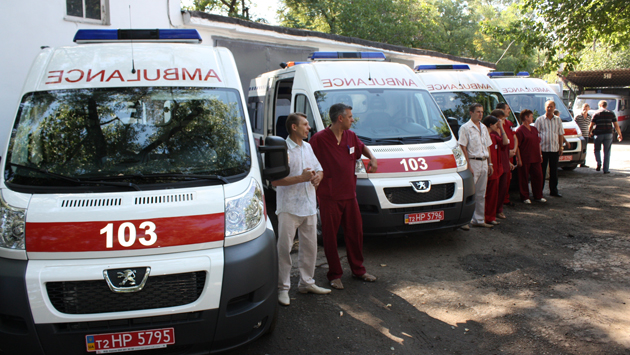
x: 599, y: 57
x: 389, y: 21
x: 562, y: 29
x: 231, y: 8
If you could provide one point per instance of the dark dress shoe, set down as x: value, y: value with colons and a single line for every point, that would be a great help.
x: 557, y: 194
x: 599, y: 167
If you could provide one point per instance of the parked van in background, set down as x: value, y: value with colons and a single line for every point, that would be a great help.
x: 133, y: 214
x: 618, y: 104
x: 422, y: 182
x: 455, y: 88
x: 523, y: 92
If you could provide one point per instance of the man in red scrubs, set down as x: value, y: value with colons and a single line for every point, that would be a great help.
x: 337, y: 148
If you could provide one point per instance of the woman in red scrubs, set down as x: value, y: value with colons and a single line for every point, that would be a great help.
x: 531, y: 157
x: 499, y: 139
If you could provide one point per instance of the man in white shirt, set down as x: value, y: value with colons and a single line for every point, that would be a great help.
x: 551, y: 135
x: 474, y: 140
x: 297, y: 210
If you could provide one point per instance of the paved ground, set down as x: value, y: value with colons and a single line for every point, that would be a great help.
x: 553, y: 278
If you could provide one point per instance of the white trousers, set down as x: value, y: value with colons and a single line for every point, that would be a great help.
x: 307, y: 253
x: 480, y: 177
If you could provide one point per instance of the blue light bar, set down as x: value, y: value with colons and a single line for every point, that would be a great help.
x: 346, y: 56
x: 500, y: 73
x: 443, y: 67
x: 153, y: 35
x: 522, y: 73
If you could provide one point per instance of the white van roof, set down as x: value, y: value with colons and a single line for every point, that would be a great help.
x: 520, y: 85
x: 455, y: 80
x: 600, y: 96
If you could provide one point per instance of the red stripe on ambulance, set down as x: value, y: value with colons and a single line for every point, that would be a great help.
x: 622, y: 118
x: 405, y: 165
x: 124, y: 235
x: 570, y: 132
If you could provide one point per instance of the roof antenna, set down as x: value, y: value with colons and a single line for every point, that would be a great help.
x: 133, y: 64
x: 369, y: 71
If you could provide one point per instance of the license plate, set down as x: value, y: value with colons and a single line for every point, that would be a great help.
x: 130, y: 341
x: 424, y: 217
x: 565, y: 158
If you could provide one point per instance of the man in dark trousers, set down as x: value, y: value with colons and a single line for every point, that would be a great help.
x: 601, y: 128
x: 337, y: 148
x: 552, y: 140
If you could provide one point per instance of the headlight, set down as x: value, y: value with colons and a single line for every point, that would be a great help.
x: 359, y: 167
x: 12, y: 225
x: 245, y: 211
x: 460, y: 159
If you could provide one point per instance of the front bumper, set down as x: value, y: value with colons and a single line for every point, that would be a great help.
x: 576, y: 152
x: 247, y: 306
x: 378, y: 221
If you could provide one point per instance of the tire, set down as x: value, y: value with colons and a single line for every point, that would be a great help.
x: 569, y: 168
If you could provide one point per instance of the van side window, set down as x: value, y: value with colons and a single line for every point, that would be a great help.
x: 89, y: 11
x: 255, y: 110
x: 302, y: 105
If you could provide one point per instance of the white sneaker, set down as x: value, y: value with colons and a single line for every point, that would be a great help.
x: 283, y: 298
x: 527, y: 202
x: 314, y: 289
x: 542, y: 200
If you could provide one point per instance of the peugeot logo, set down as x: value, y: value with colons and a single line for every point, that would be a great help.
x: 126, y: 279
x: 422, y: 186
x: 127, y: 275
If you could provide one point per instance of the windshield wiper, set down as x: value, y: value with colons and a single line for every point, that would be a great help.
x: 423, y: 139
x: 366, y: 139
x: 174, y: 175
x: 76, y: 180
x: 390, y: 140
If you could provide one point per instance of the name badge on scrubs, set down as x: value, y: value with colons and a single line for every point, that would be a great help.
x: 351, y: 150
x: 496, y: 146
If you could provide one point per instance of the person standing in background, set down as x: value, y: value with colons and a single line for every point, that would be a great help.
x: 297, y: 210
x: 337, y: 149
x: 584, y: 120
x: 552, y: 141
x: 514, y: 155
x: 531, y: 168
x: 474, y: 141
x: 601, y: 129
x: 492, y: 191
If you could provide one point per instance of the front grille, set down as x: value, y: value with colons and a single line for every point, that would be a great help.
x: 419, y: 209
x: 87, y: 297
x: 116, y: 325
x: 406, y: 195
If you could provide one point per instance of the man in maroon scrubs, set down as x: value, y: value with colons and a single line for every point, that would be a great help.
x: 337, y: 148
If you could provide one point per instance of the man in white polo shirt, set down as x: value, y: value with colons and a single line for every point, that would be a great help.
x: 551, y: 135
x: 297, y: 210
x: 474, y: 140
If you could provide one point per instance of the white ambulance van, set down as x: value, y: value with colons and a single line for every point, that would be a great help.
x: 455, y: 88
x: 422, y: 182
x: 618, y: 104
x: 133, y: 214
x: 523, y: 92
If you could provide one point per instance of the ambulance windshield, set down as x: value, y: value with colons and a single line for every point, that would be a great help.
x: 536, y: 103
x: 141, y: 135
x: 389, y: 116
x: 456, y: 105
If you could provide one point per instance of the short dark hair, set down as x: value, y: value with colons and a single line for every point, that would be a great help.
x: 293, y: 119
x: 489, y: 120
x: 474, y: 106
x: 336, y: 110
x: 502, y: 106
x: 498, y: 113
x: 525, y: 113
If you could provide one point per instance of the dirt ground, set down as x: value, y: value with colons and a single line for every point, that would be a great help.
x: 553, y: 278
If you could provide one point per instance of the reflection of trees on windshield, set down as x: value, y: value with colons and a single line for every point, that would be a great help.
x: 388, y: 116
x: 112, y: 132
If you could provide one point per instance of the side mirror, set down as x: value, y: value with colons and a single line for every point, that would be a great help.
x: 276, y: 158
x: 454, y: 124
